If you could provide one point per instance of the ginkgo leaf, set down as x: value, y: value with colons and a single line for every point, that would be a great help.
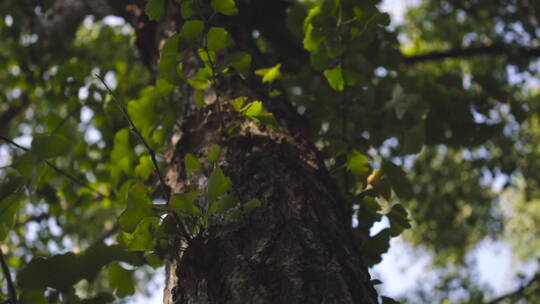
x: 218, y: 184
x: 226, y: 7
x: 269, y: 74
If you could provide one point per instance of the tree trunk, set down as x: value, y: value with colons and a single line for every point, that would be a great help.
x: 297, y: 247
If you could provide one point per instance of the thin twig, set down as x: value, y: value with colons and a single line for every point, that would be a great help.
x: 517, y: 292
x: 63, y: 121
x: 74, y: 179
x: 122, y: 108
x: 9, y: 281
x: 139, y: 135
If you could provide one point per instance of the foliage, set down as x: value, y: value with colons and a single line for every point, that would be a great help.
x: 413, y: 140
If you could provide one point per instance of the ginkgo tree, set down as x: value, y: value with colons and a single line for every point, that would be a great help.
x: 250, y: 146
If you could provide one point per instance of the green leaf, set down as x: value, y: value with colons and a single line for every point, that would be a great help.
x: 375, y: 246
x: 153, y: 259
x: 399, y: 220
x: 155, y: 9
x: 121, y: 281
x: 38, y: 272
x: 9, y: 206
x: 414, y: 139
x: 226, y: 7
x: 218, y: 39
x: 214, y: 153
x: 208, y: 57
x: 199, y: 82
x: 192, y: 164
x: 33, y: 296
x: 139, y: 206
x: 335, y: 78
x: 241, y: 61
x: 225, y: 203
x: 398, y: 178
x: 358, y: 163
x: 167, y: 66
x: 142, y: 239
x: 101, y: 298
x: 269, y: 74
x: 191, y: 29
x: 251, y: 204
x: 184, y: 203
x: 387, y: 300
x: 49, y: 146
x: 186, y: 9
x: 218, y: 184
x: 238, y: 103
x: 145, y: 167
x: 256, y: 111
x: 62, y: 271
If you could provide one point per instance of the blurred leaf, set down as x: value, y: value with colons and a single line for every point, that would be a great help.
x: 191, y: 29
x: 251, y: 204
x: 218, y: 38
x: 225, y: 203
x: 145, y: 167
x: 101, y: 298
x: 121, y: 281
x: 214, y: 153
x: 33, y: 296
x: 269, y: 74
x: 49, y: 146
x: 168, y: 61
x: 68, y: 268
x: 184, y: 203
x: 241, y: 61
x: 335, y: 78
x: 398, y: 178
x: 142, y: 239
x: 399, y: 220
x: 218, y: 184
x: 226, y: 7
x: 192, y: 164
x: 358, y: 163
x: 155, y: 9
x: 139, y: 206
x: 256, y: 111
x: 9, y: 206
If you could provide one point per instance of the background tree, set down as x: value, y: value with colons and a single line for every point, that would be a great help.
x: 251, y: 146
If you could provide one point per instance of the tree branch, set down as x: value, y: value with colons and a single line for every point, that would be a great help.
x: 82, y: 183
x: 495, y: 50
x: 517, y: 292
x: 9, y: 281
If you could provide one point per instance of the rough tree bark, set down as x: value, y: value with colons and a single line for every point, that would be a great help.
x: 297, y: 247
